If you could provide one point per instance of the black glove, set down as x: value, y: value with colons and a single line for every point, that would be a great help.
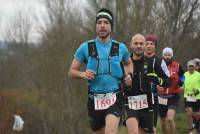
x: 180, y: 83
x: 196, y: 92
x: 152, y: 77
x: 181, y: 80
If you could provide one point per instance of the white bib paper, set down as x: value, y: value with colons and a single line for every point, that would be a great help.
x: 104, y: 101
x: 137, y: 102
x: 191, y: 99
x: 162, y: 101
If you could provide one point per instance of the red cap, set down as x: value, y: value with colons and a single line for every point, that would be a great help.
x: 152, y: 38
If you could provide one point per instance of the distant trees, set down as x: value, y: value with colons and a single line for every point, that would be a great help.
x: 173, y: 21
x: 61, y: 98
x: 178, y: 20
x: 16, y: 59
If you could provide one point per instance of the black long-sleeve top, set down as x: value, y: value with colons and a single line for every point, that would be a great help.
x: 141, y: 83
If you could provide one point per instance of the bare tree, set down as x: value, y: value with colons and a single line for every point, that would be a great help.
x: 173, y: 21
x: 18, y: 37
x: 130, y: 16
x: 60, y: 102
x: 177, y: 20
x: 20, y: 27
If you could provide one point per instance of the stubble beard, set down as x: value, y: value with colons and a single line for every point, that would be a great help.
x: 104, y: 36
x: 138, y: 54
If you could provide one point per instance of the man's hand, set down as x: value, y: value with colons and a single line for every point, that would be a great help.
x: 89, y: 75
x: 181, y: 89
x: 159, y: 88
x: 127, y: 80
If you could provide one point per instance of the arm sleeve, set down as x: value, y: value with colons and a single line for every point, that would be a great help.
x: 184, y: 81
x: 125, y: 52
x: 181, y: 76
x: 199, y: 83
x: 181, y: 71
x: 81, y: 53
x: 161, y: 72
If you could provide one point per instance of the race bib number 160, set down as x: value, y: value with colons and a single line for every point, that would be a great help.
x: 104, y: 101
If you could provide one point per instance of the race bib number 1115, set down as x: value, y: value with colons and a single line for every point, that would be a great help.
x: 137, y: 102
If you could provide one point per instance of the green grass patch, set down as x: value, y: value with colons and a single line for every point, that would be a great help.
x: 181, y: 125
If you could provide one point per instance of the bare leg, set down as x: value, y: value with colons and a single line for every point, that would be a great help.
x: 132, y: 126
x: 189, y: 113
x: 112, y: 123
x: 163, y: 125
x: 170, y: 121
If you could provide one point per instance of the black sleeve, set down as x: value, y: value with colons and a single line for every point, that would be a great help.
x: 159, y: 70
x: 181, y: 76
x: 181, y: 71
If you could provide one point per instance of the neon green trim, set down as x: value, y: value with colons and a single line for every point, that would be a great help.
x: 161, y: 81
x: 152, y: 74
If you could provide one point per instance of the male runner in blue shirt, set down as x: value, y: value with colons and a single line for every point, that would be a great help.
x: 103, y: 57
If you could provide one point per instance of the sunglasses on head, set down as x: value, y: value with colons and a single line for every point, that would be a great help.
x: 151, y: 43
x: 136, y: 43
x: 190, y: 65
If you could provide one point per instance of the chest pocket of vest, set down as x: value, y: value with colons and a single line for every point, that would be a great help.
x: 115, y: 67
x: 92, y: 65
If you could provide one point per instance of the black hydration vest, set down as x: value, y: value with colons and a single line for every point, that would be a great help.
x: 114, y: 52
x: 92, y: 49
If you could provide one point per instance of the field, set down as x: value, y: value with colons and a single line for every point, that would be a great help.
x: 24, y: 102
x: 181, y: 125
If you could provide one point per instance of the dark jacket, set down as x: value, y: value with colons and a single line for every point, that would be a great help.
x: 141, y: 83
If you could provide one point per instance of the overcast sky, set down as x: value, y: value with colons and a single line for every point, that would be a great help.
x: 9, y: 8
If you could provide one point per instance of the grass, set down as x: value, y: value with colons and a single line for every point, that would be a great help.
x: 181, y: 125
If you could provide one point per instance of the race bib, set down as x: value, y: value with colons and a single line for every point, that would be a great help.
x: 104, y: 101
x: 162, y: 101
x: 137, y: 102
x: 191, y: 99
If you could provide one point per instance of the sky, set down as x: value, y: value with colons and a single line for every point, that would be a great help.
x: 9, y: 8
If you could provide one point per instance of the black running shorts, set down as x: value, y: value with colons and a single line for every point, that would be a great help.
x: 97, y: 117
x: 194, y: 105
x: 144, y: 117
x: 172, y: 103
